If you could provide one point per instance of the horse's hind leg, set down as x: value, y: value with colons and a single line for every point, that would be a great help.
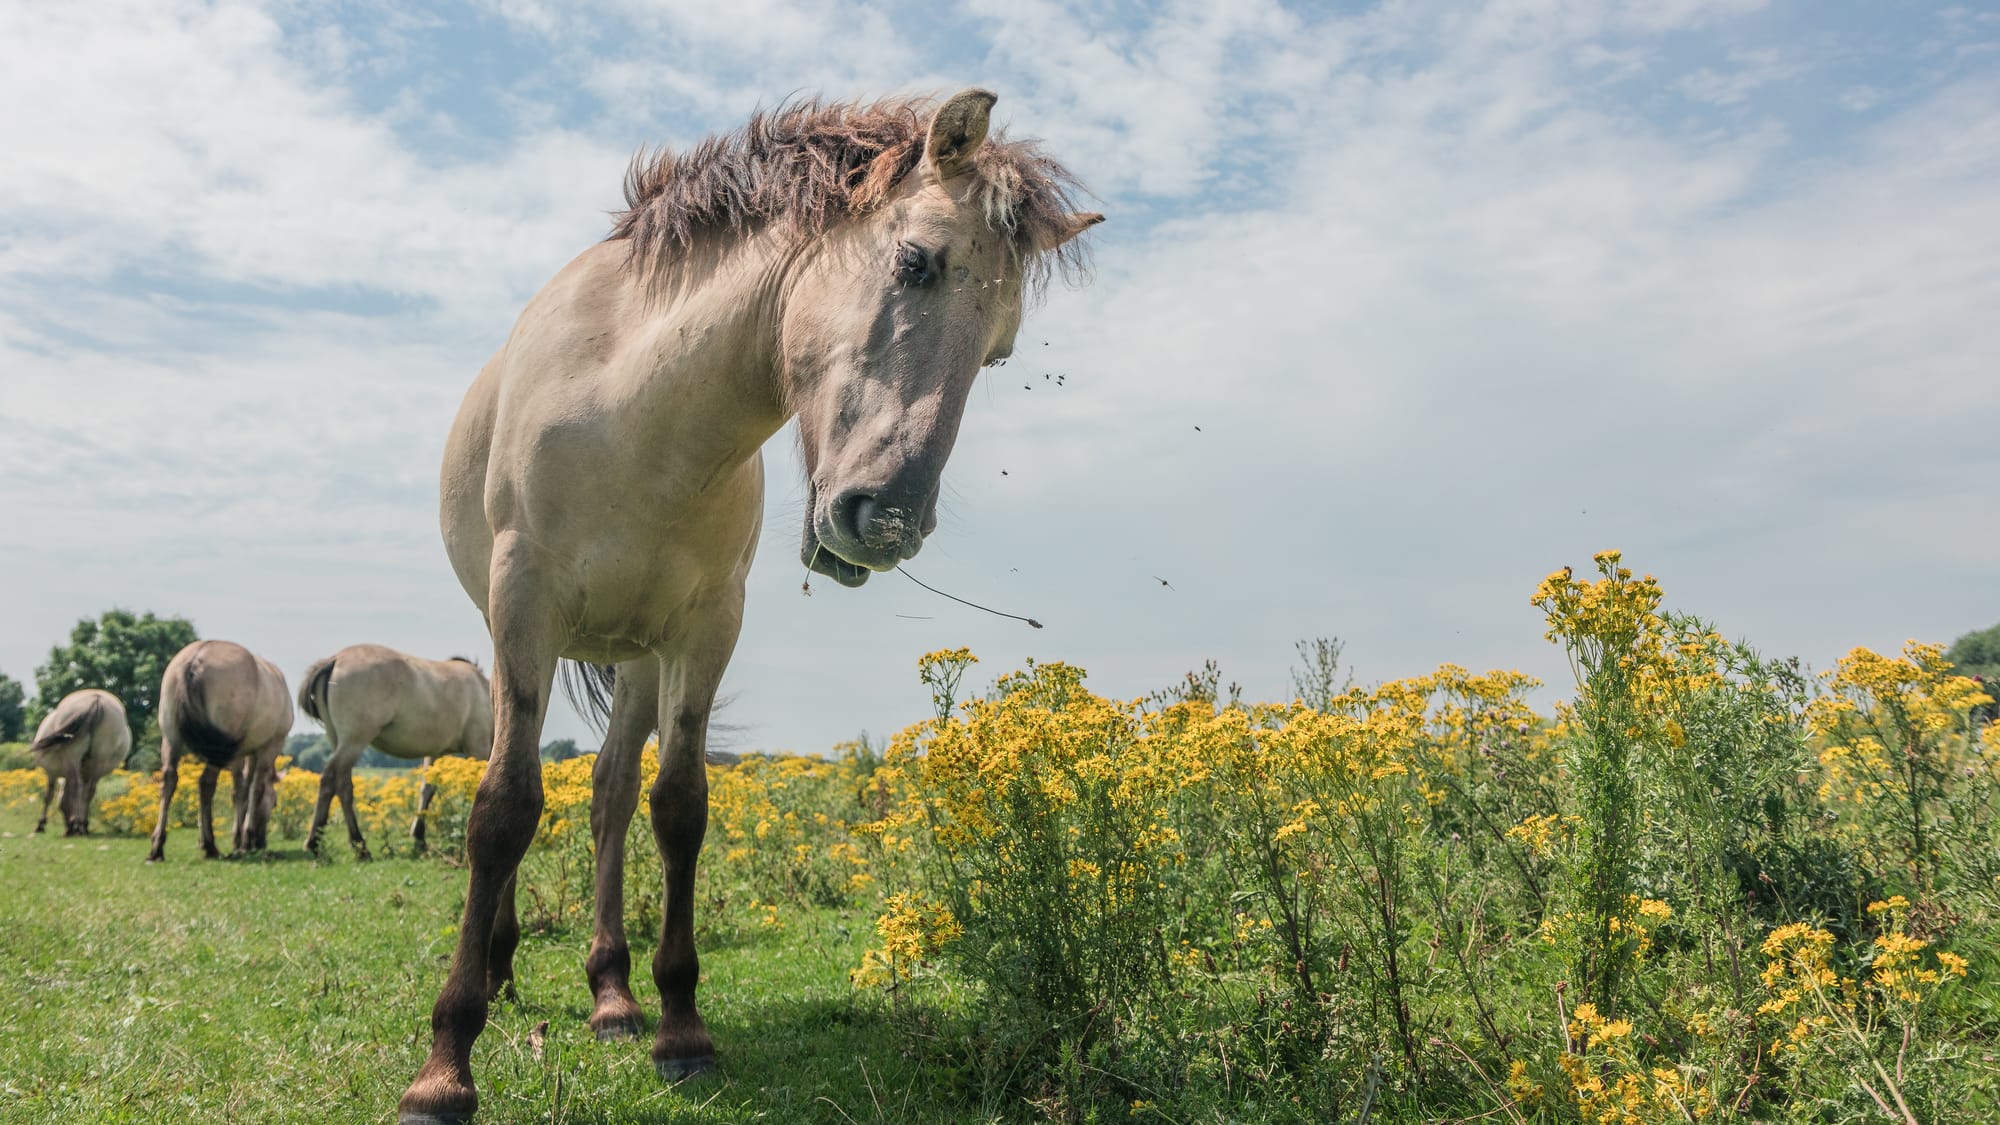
x: 424, y: 794
x: 209, y: 773
x: 329, y: 784
x: 526, y: 638
x: 89, y: 802
x: 170, y: 775
x: 354, y: 835
x: 635, y: 710
x: 688, y: 681
x: 48, y: 798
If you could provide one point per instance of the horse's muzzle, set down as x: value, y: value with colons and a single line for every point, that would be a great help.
x: 865, y: 532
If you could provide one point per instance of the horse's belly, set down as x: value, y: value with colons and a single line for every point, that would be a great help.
x: 408, y: 738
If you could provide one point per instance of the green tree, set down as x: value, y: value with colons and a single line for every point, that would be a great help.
x: 121, y: 652
x: 13, y: 710
x: 1978, y: 655
x: 308, y: 751
x: 560, y: 750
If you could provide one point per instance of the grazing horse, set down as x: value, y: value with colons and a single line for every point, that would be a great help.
x: 83, y: 739
x: 403, y: 705
x: 231, y: 709
x: 853, y: 265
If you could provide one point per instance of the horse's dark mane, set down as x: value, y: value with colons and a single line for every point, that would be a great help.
x: 810, y: 163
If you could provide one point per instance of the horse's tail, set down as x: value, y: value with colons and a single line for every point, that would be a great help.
x: 588, y: 687
x: 194, y: 731
x: 82, y: 721
x: 312, y: 689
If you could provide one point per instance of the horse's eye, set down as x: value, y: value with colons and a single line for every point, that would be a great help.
x: 913, y: 266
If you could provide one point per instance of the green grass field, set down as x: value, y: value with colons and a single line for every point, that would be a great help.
x: 279, y: 990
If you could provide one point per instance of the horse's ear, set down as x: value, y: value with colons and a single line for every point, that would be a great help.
x: 1073, y: 224
x: 957, y: 131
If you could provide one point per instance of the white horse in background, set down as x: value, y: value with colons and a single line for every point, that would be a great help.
x: 83, y: 739
x: 403, y: 705
x: 229, y: 708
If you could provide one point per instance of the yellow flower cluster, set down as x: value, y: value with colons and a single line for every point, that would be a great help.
x: 1541, y: 833
x: 1802, y: 985
x: 21, y: 788
x: 913, y: 929
x: 1633, y: 929
x: 1610, y: 614
x: 1613, y: 1087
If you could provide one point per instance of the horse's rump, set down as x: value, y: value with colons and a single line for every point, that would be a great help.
x: 194, y: 732
x: 71, y: 730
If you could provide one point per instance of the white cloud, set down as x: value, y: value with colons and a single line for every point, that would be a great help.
x: 1748, y: 72
x: 1451, y: 301
x: 181, y: 138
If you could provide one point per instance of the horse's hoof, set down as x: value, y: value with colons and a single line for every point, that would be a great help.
x: 614, y: 1031
x: 437, y: 1101
x: 617, y: 1015
x: 680, y: 1070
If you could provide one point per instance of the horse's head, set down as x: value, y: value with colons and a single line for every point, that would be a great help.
x: 888, y: 321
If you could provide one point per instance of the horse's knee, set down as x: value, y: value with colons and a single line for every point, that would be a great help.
x: 503, y: 821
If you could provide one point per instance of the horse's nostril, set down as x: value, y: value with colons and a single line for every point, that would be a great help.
x: 866, y: 511
x: 851, y: 513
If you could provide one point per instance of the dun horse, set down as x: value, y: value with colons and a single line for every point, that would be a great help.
x: 404, y: 706
x: 231, y: 709
x: 83, y: 739
x: 853, y: 265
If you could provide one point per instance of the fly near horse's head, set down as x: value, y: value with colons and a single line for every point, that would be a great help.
x: 890, y: 317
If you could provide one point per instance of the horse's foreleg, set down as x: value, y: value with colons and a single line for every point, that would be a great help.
x: 354, y: 836
x: 170, y: 776
x: 72, y: 799
x: 635, y: 710
x: 688, y: 681
x: 240, y: 785
x: 424, y: 794
x: 205, y: 790
x: 48, y: 798
x: 500, y: 947
x: 527, y: 636
x: 263, y: 795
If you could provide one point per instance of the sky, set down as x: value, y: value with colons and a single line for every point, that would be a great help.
x: 1398, y: 308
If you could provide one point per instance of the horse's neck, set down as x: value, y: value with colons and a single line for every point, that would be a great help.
x: 706, y: 340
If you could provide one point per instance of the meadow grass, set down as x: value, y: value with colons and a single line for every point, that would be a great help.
x: 278, y: 989
x: 1708, y: 887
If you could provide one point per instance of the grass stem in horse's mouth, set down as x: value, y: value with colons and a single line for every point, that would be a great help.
x: 940, y: 593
